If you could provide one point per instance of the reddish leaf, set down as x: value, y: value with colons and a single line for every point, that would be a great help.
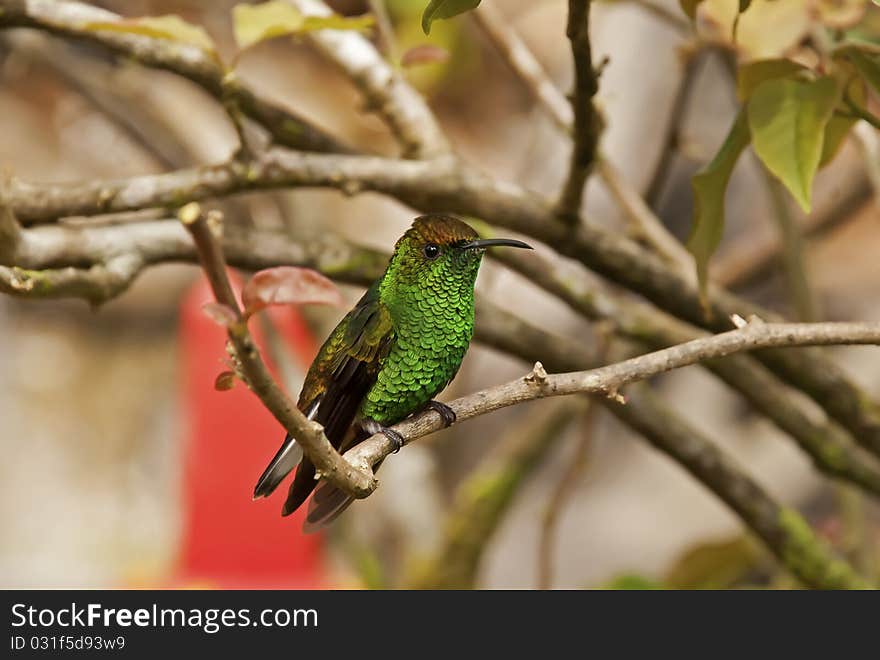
x: 288, y: 285
x: 424, y: 54
x: 219, y: 313
x: 225, y: 381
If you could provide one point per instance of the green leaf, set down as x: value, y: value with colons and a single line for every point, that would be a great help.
x: 170, y: 27
x: 753, y: 74
x: 689, y: 7
x: 709, y: 186
x: 438, y: 9
x: 787, y: 119
x: 255, y: 23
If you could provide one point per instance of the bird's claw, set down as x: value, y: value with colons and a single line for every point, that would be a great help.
x: 394, y: 436
x: 446, y: 413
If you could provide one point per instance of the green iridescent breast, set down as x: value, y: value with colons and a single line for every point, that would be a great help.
x: 432, y: 329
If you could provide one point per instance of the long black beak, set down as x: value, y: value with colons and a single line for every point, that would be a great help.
x: 495, y: 242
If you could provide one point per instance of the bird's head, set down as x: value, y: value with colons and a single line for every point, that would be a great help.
x: 438, y: 253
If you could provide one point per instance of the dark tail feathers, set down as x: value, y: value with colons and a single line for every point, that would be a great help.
x: 287, y: 458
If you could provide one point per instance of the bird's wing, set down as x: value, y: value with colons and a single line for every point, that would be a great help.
x: 338, y: 380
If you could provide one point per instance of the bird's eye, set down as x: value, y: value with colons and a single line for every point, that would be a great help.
x: 432, y: 250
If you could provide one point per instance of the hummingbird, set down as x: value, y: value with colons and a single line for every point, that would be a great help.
x: 400, y: 346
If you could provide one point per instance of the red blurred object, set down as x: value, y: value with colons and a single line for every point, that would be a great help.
x: 228, y: 540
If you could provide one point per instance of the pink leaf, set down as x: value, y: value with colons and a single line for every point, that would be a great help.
x: 424, y: 54
x: 288, y: 285
x: 225, y: 381
x: 219, y: 313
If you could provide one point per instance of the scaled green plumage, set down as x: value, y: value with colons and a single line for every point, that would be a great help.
x: 390, y: 355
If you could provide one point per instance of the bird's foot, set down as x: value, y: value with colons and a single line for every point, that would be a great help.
x: 446, y: 413
x: 394, y: 436
x: 372, y: 426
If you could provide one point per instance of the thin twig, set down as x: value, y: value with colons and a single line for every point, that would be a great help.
x: 232, y: 105
x: 587, y: 120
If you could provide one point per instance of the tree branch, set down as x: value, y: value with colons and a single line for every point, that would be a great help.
x: 81, y: 253
x: 96, y: 284
x: 275, y: 168
x: 587, y: 120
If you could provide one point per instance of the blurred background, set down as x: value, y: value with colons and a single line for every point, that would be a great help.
x: 122, y: 466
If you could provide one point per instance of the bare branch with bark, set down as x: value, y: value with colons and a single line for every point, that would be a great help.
x: 588, y: 121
